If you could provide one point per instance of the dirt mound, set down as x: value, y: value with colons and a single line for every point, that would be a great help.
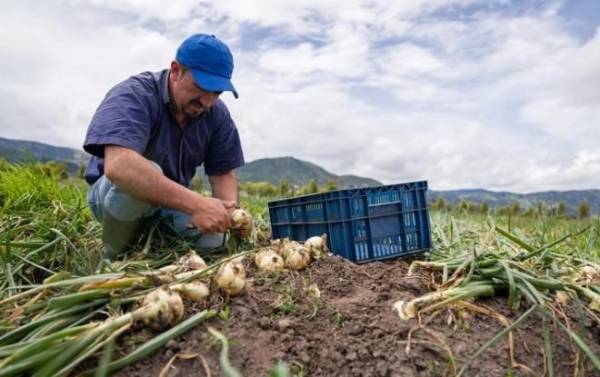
x: 336, y: 319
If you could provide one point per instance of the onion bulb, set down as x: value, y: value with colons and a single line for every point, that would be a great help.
x: 268, y: 261
x: 590, y: 274
x: 231, y: 277
x: 160, y: 309
x: 406, y: 309
x: 170, y: 269
x: 297, y: 258
x: 192, y: 261
x: 187, y: 262
x: 241, y: 221
x: 196, y: 291
x: 317, y: 246
x: 284, y: 245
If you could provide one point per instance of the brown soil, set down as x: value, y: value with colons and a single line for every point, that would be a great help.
x: 353, y: 331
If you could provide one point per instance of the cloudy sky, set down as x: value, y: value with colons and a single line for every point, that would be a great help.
x: 498, y: 94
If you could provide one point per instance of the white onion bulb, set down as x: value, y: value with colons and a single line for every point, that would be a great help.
x: 297, y: 258
x: 192, y: 261
x: 269, y: 261
x: 160, y: 309
x: 231, y: 277
x: 317, y: 246
x: 241, y: 220
x: 196, y: 291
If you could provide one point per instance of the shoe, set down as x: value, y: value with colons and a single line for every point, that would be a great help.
x: 117, y: 235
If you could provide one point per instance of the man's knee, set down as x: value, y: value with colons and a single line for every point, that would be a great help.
x: 211, y: 241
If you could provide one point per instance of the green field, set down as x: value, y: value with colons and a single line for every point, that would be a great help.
x: 47, y: 234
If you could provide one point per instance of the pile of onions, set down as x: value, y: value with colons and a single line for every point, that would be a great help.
x: 295, y: 255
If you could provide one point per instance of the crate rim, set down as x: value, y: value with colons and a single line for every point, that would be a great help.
x: 318, y: 194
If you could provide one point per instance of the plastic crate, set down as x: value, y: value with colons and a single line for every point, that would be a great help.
x: 362, y: 225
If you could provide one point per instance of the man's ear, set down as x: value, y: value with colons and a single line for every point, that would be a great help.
x: 176, y: 70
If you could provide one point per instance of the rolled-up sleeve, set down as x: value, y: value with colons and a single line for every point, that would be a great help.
x: 125, y: 118
x: 224, y: 151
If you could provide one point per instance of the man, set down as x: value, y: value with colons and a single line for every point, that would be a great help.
x: 147, y: 138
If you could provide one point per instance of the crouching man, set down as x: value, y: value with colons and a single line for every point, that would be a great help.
x: 147, y: 138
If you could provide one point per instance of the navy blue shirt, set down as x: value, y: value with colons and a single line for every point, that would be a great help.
x: 136, y: 114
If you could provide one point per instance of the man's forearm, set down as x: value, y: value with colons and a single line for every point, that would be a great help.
x: 225, y: 186
x: 135, y: 175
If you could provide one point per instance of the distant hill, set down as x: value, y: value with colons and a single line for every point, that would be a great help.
x: 22, y: 151
x: 572, y: 199
x: 297, y: 172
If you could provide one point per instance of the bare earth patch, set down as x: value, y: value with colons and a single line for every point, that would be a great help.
x: 351, y: 330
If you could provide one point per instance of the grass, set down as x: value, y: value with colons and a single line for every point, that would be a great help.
x: 47, y: 234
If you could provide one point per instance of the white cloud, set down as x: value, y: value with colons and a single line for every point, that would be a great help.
x: 464, y: 93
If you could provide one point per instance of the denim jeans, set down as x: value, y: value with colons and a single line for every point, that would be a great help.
x: 123, y: 216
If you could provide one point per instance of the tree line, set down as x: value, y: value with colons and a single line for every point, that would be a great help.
x: 513, y: 209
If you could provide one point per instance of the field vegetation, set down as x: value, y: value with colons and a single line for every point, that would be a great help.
x: 535, y: 262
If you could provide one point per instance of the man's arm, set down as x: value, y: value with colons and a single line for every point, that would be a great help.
x: 225, y: 186
x: 134, y: 174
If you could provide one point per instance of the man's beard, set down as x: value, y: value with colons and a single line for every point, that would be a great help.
x: 189, y: 113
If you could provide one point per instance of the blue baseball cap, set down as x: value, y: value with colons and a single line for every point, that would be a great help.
x: 210, y: 62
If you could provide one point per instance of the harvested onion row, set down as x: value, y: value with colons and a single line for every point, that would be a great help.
x: 60, y: 352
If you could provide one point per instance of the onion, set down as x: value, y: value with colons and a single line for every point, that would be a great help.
x: 170, y: 269
x: 590, y: 274
x: 406, y: 310
x: 317, y: 246
x: 241, y: 220
x: 192, y: 261
x: 268, y: 261
x: 196, y: 291
x: 283, y: 246
x: 297, y: 258
x: 187, y: 262
x: 562, y: 297
x: 231, y: 277
x: 160, y: 309
x: 314, y: 291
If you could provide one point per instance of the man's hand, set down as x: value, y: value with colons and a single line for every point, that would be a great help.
x: 211, y: 216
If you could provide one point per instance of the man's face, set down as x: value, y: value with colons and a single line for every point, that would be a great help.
x: 190, y: 99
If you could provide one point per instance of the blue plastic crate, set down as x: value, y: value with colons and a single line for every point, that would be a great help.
x: 362, y: 225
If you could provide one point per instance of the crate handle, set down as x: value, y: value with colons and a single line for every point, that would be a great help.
x: 384, y: 204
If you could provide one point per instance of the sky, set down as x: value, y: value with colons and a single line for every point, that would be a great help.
x: 495, y: 94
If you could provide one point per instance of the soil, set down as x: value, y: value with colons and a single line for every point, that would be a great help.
x: 352, y: 330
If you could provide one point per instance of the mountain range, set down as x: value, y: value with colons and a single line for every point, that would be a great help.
x: 298, y: 172
x: 572, y: 199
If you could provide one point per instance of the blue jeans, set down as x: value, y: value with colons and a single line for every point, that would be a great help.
x: 123, y: 216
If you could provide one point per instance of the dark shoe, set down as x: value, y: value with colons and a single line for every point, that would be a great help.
x: 117, y: 235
